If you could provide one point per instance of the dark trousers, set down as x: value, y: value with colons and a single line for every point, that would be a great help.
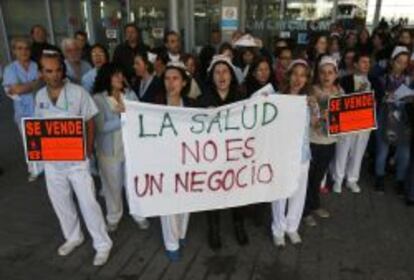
x: 213, y: 217
x: 322, y: 156
x: 410, y: 175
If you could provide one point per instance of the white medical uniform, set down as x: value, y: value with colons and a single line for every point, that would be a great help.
x: 111, y: 164
x: 287, y: 213
x: 65, y: 178
x: 350, y: 149
x: 174, y: 227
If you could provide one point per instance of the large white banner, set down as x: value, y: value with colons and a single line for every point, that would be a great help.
x: 189, y: 159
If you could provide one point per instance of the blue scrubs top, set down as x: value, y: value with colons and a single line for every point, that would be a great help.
x: 15, y: 74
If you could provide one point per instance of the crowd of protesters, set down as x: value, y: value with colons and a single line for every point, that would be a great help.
x: 78, y: 79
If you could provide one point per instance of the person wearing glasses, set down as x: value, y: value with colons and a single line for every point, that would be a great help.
x: 75, y: 66
x: 99, y: 56
x: 20, y: 82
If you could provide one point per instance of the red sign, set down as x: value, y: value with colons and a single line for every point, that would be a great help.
x: 352, y: 113
x: 59, y: 139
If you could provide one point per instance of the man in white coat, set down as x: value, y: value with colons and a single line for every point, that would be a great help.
x: 61, y: 98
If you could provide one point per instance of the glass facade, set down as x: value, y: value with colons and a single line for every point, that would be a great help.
x: 195, y: 19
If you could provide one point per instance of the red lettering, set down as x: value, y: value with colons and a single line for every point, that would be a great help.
x: 248, y: 145
x: 195, y: 182
x: 230, y: 148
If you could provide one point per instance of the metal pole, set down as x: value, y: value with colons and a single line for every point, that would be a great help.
x: 173, y: 15
x: 4, y: 36
x: 282, y: 8
x: 334, y: 10
x: 377, y: 13
x: 89, y: 21
x: 242, y: 15
x: 191, y: 25
x: 50, y: 22
x: 128, y: 10
x: 187, y: 27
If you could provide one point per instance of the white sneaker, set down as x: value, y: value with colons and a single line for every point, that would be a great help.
x: 310, y: 221
x: 279, y: 241
x: 294, y: 237
x: 32, y: 178
x: 143, y: 224
x: 322, y: 213
x: 111, y: 227
x: 69, y: 246
x: 337, y: 188
x: 353, y: 187
x: 101, y: 257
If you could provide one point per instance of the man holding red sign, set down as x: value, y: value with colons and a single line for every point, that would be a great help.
x: 350, y: 148
x: 60, y: 99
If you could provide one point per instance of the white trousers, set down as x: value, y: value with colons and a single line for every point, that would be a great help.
x: 349, y: 153
x: 112, y: 178
x: 61, y: 184
x: 287, y: 213
x: 174, y: 228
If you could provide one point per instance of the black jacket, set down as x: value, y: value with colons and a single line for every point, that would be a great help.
x: 154, y: 90
x: 348, y: 85
x: 124, y: 55
x: 212, y: 99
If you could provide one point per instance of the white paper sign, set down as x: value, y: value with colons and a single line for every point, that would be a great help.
x: 189, y: 159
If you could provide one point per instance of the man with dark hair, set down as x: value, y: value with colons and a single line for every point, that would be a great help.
x: 172, y: 44
x: 82, y: 38
x: 38, y: 35
x: 125, y: 52
x: 61, y: 98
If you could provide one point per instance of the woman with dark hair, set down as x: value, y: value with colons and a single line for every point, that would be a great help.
x: 110, y: 91
x: 148, y: 87
x: 191, y: 63
x: 317, y: 47
x: 393, y: 128
x: 335, y: 46
x: 364, y: 44
x: 346, y: 66
x: 222, y: 89
x: 283, y: 61
x: 99, y: 56
x: 205, y: 57
x: 405, y: 39
x: 174, y: 227
x: 227, y: 49
x: 287, y: 213
x: 260, y: 74
x: 321, y: 144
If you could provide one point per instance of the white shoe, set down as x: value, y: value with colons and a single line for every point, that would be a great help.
x: 310, y: 221
x: 32, y: 178
x: 294, y: 237
x: 279, y: 241
x: 143, y: 224
x: 337, y: 188
x: 322, y: 213
x: 353, y: 187
x: 69, y: 246
x: 101, y: 257
x: 111, y: 227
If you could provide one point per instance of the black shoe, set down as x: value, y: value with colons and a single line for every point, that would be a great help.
x: 379, y: 184
x: 409, y: 202
x: 400, y: 188
x: 241, y: 235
